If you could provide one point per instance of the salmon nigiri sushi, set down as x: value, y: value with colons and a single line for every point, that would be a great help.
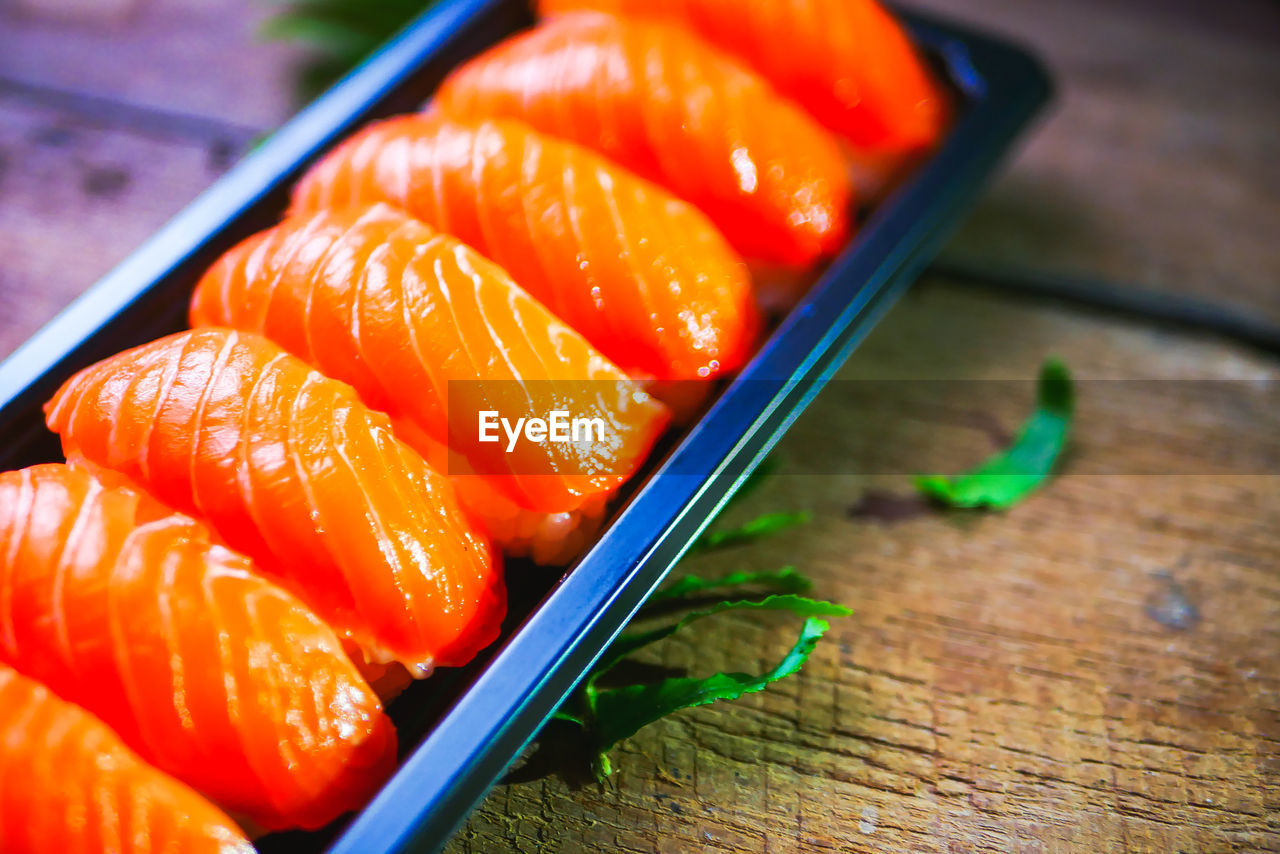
x: 210, y: 672
x: 431, y: 332
x: 644, y: 276
x: 68, y: 784
x: 292, y: 469
x: 848, y: 62
x: 671, y: 107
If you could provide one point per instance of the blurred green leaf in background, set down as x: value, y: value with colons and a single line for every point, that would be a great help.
x: 338, y: 33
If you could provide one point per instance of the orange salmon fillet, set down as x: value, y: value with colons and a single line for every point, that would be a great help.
x: 428, y: 330
x: 68, y: 784
x: 848, y: 62
x: 669, y: 106
x: 292, y: 469
x: 644, y: 276
x: 550, y: 539
x: 210, y: 672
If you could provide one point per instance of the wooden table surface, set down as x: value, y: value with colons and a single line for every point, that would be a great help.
x: 1097, y: 669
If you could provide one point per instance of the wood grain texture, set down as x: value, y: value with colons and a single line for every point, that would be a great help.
x: 1019, y: 682
x: 1005, y: 684
x: 112, y: 118
x: 1158, y: 164
x: 75, y: 199
x: 1156, y: 167
x: 1096, y: 670
x: 197, y: 57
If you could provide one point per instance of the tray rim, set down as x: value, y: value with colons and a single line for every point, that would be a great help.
x: 492, y: 720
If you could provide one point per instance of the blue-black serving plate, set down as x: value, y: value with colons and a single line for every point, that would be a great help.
x: 461, y: 729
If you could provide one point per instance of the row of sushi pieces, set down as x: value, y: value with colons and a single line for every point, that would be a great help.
x: 254, y: 537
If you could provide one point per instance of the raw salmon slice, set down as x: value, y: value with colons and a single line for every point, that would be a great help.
x: 69, y: 784
x: 550, y: 539
x: 671, y: 107
x: 848, y: 62
x: 210, y: 672
x: 431, y: 332
x: 644, y: 276
x: 291, y: 468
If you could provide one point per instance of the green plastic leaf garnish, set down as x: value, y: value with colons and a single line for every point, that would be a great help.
x: 621, y: 712
x: 801, y: 606
x: 1011, y: 475
x: 785, y: 580
x: 610, y: 713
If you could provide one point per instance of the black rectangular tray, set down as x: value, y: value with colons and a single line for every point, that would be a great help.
x: 461, y: 729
